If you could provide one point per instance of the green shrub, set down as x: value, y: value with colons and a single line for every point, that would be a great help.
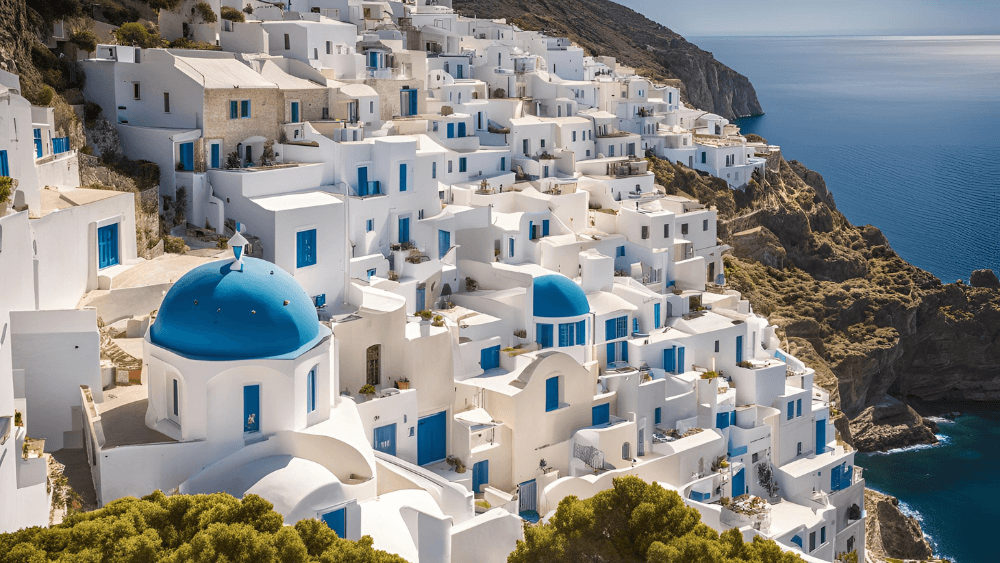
x: 185, y: 43
x: 232, y: 14
x: 205, y: 11
x: 709, y: 375
x: 137, y: 35
x: 52, y: 10
x: 91, y: 111
x: 41, y: 96
x: 174, y: 245
x: 84, y: 40
x: 754, y: 138
x: 367, y: 389
x: 117, y: 13
x: 6, y: 188
x: 163, y: 4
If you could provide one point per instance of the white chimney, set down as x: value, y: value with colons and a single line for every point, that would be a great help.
x: 597, y: 272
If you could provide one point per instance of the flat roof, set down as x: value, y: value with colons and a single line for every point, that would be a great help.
x: 221, y: 72
x: 53, y: 199
x: 123, y: 417
x: 300, y: 200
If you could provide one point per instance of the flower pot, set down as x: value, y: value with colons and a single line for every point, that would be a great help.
x: 402, y: 385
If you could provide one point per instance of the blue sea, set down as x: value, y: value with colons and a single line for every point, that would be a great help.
x: 905, y: 130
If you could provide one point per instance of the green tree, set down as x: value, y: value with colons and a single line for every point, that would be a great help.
x: 137, y: 35
x: 186, y: 528
x: 232, y: 14
x: 637, y: 522
x: 84, y: 40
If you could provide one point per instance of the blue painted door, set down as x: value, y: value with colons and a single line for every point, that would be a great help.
x: 385, y: 439
x: 431, y: 436
x: 543, y: 335
x: 402, y: 178
x: 421, y: 298
x: 337, y: 521
x: 373, y: 59
x: 4, y: 164
x: 363, y: 181
x: 680, y: 360
x: 444, y: 243
x: 836, y: 473
x: 251, y: 408
x: 480, y: 475
x: 413, y: 102
x: 600, y: 414
x: 670, y: 360
x: 295, y: 112
x: 527, y: 496
x: 820, y: 436
x: 404, y: 229
x: 187, y: 156
x: 461, y: 129
x: 739, y: 349
x: 489, y: 358
x: 107, y: 245
x: 551, y: 394
x: 38, y: 143
x: 216, y: 149
x: 656, y: 315
x: 451, y: 130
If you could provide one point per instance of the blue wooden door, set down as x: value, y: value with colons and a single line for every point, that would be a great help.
x: 670, y: 360
x: 337, y: 521
x: 480, y: 475
x: 444, y: 243
x: 404, y: 229
x: 431, y: 437
x: 551, y: 394
x: 680, y: 360
x: 739, y: 483
x: 656, y: 315
x: 295, y: 112
x: 451, y: 130
x: 373, y: 59
x: 187, y: 156
x: 38, y: 143
x: 4, y: 164
x: 251, y: 408
x: 363, y: 184
x: 527, y: 496
x: 413, y: 102
x: 461, y: 129
x: 739, y: 349
x: 385, y: 439
x: 489, y: 358
x: 107, y: 245
x: 421, y: 298
x: 820, y: 436
x: 402, y: 178
x: 216, y: 149
x: 600, y: 414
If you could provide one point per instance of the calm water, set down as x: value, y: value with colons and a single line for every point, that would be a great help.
x: 905, y: 130
x: 952, y: 487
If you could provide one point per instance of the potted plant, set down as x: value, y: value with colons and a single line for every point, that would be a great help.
x: 709, y: 375
x: 368, y: 390
x: 7, y: 187
x: 17, y: 419
x: 438, y: 320
x: 425, y: 316
x: 402, y: 383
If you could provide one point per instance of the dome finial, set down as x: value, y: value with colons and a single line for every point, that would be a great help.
x: 237, y: 243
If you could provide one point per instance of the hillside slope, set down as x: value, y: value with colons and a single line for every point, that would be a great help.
x: 602, y: 27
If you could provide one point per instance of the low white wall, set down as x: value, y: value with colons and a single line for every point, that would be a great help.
x: 63, y: 172
x: 487, y: 538
x: 129, y: 302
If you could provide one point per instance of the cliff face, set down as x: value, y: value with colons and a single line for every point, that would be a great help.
x: 890, y: 533
x: 871, y: 323
x: 602, y: 27
x: 16, y: 40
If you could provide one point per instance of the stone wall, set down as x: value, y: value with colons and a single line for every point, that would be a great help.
x: 93, y: 172
x: 267, y: 110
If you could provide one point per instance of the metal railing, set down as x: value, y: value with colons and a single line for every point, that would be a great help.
x: 589, y: 455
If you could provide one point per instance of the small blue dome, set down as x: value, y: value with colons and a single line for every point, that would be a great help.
x: 214, y: 313
x: 559, y: 296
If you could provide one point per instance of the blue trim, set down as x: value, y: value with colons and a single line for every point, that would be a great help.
x: 543, y: 335
x: 311, y: 391
x: 567, y: 335
x: 480, y: 475
x: 656, y: 315
x: 489, y: 358
x: 431, y: 438
x: 337, y: 521
x: 451, y: 130
x: 600, y: 414
x: 251, y: 408
x: 581, y: 332
x: 791, y: 410
x: 107, y: 245
x: 306, y: 248
x: 385, y: 439
x: 4, y: 164
x: 444, y: 243
x: 798, y: 408
x: 657, y: 415
x: 402, y: 177
x: 404, y: 229
x: 739, y: 349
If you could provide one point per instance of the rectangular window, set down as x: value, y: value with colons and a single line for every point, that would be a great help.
x: 434, y: 170
x: 463, y: 164
x: 510, y: 249
x: 645, y: 232
x: 166, y: 102
x: 526, y: 146
x: 567, y: 334
x: 451, y: 130
x: 657, y: 415
x: 791, y: 410
x: 616, y: 328
x: 451, y: 167
x: 4, y: 164
x: 656, y: 315
x: 716, y: 346
x: 545, y: 227
x: 306, y: 247
x: 574, y: 136
x: 288, y: 43
x: 369, y: 225
x: 822, y: 535
x: 798, y: 408
x: 444, y: 243
x: 402, y: 177
x: 703, y: 158
x: 684, y: 228
x: 329, y: 47
x: 812, y: 541
x: 798, y: 448
x: 311, y: 391
x: 503, y: 163
x: 135, y: 90
x: 620, y: 251
x: 670, y: 360
x: 176, y: 402
x: 704, y: 225
x: 581, y: 333
x: 234, y: 109
x: 245, y: 109
x: 552, y: 393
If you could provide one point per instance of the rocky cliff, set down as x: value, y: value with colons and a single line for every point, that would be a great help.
x: 890, y: 533
x: 602, y: 27
x: 872, y: 324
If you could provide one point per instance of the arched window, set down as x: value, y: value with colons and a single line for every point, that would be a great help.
x: 373, y: 365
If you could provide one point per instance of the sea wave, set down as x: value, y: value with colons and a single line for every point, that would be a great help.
x: 939, y: 419
x: 911, y: 512
x: 943, y: 440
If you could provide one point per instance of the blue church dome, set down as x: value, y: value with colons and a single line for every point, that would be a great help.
x: 558, y: 296
x: 215, y: 313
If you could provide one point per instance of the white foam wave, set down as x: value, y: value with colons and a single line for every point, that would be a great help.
x: 942, y: 441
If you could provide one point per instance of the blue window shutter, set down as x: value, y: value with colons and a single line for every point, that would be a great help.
x: 444, y: 243
x: 680, y: 360
x: 552, y: 394
x: 306, y: 248
x: 611, y: 352
x: 795, y: 539
x: 244, y: 108
x: 624, y: 354
x: 363, y: 181
x: 581, y: 333
x: 402, y: 177
x: 463, y: 164
x: 295, y: 112
x: 545, y: 227
x: 722, y: 420
x: 511, y: 248
x: 798, y: 407
x: 461, y: 129
x: 835, y: 472
x: 451, y: 130
x: 337, y: 521
x: 480, y: 475
x: 656, y: 315
x: 404, y: 229
x: 543, y: 335
x: 234, y: 109
x: 609, y: 329
x: 4, y: 164
x: 531, y: 230
x: 385, y: 439
x: 635, y: 324
x: 216, y: 156
x: 670, y: 360
x: 566, y: 334
x: 732, y: 418
x: 503, y: 163
x: 739, y: 349
x: 791, y: 410
x: 657, y: 415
